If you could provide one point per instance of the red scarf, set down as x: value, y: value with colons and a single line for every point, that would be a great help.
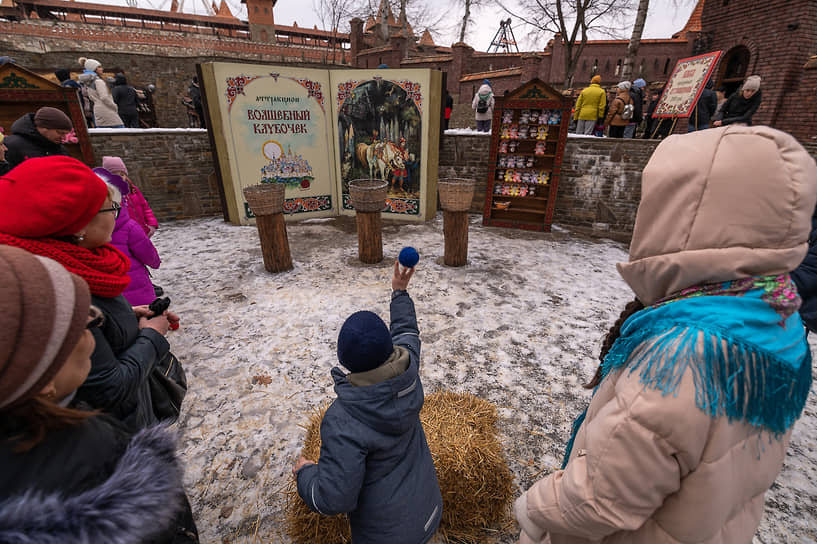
x: 105, y: 268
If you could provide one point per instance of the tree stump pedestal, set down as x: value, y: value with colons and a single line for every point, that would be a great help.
x: 369, y: 199
x: 455, y: 197
x: 267, y: 204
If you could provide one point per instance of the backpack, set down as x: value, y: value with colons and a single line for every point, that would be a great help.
x: 482, y: 105
x: 629, y: 109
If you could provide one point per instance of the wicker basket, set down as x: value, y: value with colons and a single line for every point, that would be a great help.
x: 456, y: 194
x: 368, y: 195
x: 265, y: 199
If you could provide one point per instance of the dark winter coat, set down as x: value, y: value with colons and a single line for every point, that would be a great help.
x: 705, y: 108
x: 125, y: 96
x: 26, y: 143
x: 195, y: 95
x: 805, y: 277
x: 91, y: 483
x: 374, y: 462
x: 121, y: 363
x: 737, y: 109
x: 637, y: 95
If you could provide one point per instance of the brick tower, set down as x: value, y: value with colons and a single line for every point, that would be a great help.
x: 261, y: 20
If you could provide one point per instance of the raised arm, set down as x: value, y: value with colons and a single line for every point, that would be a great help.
x: 404, y: 330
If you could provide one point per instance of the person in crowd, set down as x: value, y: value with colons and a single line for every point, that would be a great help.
x: 138, y: 207
x: 38, y: 134
x: 705, y: 372
x: 449, y: 107
x: 637, y: 95
x: 64, y: 76
x: 105, y: 110
x: 195, y: 95
x: 617, y: 118
x: 374, y: 462
x: 655, y: 128
x: 76, y: 232
x: 129, y: 238
x: 590, y: 106
x: 69, y: 474
x: 720, y: 92
x: 126, y: 102
x: 4, y: 165
x: 742, y: 105
x: 805, y: 278
x: 704, y: 110
x: 483, y: 106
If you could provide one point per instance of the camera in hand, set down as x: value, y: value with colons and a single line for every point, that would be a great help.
x: 159, y: 306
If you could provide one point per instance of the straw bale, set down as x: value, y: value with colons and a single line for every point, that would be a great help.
x: 475, y: 481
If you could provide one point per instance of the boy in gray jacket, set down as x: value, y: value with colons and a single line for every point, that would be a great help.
x: 375, y: 463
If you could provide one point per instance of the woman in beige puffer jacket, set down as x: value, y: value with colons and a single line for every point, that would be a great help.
x: 690, y: 423
x: 105, y: 110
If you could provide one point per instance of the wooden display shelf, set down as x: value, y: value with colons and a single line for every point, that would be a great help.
x: 527, y: 212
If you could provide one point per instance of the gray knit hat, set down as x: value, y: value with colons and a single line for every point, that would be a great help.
x: 43, y: 312
x: 752, y: 83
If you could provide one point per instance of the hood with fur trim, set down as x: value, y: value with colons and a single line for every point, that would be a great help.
x: 138, y: 502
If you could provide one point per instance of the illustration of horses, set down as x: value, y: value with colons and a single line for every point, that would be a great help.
x: 381, y: 156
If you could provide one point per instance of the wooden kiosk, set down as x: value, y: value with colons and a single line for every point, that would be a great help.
x: 528, y: 137
x: 23, y: 91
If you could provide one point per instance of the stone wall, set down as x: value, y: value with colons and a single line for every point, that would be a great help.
x: 174, y: 169
x: 599, y: 190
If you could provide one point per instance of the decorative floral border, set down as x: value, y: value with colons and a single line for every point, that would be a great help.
x: 403, y: 206
x: 235, y: 87
x: 685, y: 108
x: 300, y: 204
x: 313, y: 89
x: 412, y: 88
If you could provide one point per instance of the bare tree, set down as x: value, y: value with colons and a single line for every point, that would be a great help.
x: 572, y: 20
x: 335, y: 14
x: 466, y: 17
x: 635, y: 39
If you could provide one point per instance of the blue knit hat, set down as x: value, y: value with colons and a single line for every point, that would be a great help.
x: 364, y: 342
x: 639, y: 83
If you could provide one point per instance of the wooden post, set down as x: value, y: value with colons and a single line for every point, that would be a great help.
x: 369, y: 237
x: 455, y: 231
x: 274, y: 243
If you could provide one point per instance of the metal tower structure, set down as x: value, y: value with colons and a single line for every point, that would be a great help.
x: 504, y: 41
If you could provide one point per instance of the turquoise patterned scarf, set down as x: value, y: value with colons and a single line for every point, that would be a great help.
x: 743, y: 340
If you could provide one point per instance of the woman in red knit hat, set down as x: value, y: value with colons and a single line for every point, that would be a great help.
x: 68, y: 474
x: 58, y: 208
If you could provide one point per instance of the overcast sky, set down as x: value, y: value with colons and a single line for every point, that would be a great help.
x: 665, y: 18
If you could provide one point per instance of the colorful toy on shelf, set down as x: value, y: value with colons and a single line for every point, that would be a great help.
x: 517, y: 177
x: 540, y: 148
x: 523, y: 191
x: 514, y: 132
x: 555, y: 117
x: 506, y: 190
x: 503, y: 147
x: 508, y: 175
x: 507, y: 117
x: 503, y: 161
x: 523, y: 132
x: 532, y: 190
x: 542, y: 132
x: 497, y: 189
x: 506, y: 132
x: 544, y: 177
x: 512, y: 147
x: 524, y: 117
x: 529, y: 162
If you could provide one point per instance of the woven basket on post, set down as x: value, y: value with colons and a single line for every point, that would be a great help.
x: 456, y: 193
x: 265, y: 199
x: 368, y: 195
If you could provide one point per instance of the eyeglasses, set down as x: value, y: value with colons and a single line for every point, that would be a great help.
x: 95, y: 318
x: 115, y: 208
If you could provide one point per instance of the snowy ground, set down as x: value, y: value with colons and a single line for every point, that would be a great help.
x: 520, y: 326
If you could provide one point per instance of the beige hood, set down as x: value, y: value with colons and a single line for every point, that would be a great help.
x: 718, y: 205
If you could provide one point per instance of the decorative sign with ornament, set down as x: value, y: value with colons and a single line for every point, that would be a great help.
x: 315, y: 130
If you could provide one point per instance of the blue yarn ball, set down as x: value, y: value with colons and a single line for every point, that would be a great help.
x: 408, y: 257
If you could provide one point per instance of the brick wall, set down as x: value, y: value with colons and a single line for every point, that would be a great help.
x: 166, y: 59
x: 173, y: 169
x: 780, y: 37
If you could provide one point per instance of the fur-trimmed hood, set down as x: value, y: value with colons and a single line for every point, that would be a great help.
x: 138, y: 502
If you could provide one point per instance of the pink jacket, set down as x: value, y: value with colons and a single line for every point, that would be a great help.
x: 140, y: 210
x: 129, y: 238
x: 646, y: 468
